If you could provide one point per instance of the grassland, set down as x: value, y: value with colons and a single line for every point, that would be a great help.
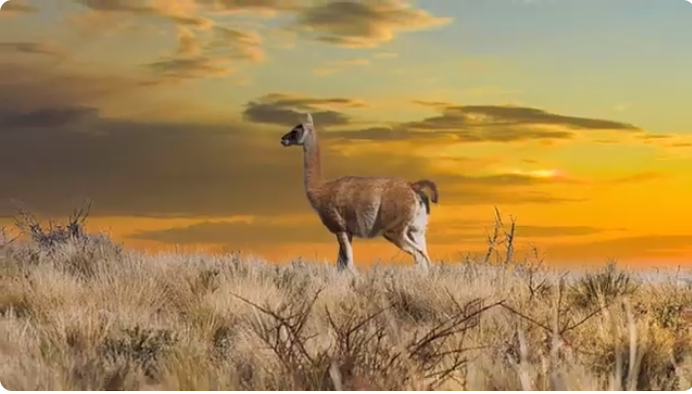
x: 79, y: 312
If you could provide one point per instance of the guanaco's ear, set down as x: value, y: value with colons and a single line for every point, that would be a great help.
x: 309, y: 118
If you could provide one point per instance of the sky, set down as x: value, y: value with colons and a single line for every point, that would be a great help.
x: 572, y: 117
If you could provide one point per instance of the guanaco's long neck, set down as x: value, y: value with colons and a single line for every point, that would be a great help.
x: 312, y: 169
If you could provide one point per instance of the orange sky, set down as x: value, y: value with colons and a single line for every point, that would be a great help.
x: 168, y: 116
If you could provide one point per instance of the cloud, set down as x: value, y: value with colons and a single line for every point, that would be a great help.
x: 204, y: 50
x: 441, y: 105
x: 90, y: 26
x: 134, y: 168
x: 134, y: 7
x: 636, y: 178
x: 191, y: 21
x: 254, y: 231
x: 485, y: 123
x: 448, y: 232
x: 236, y: 44
x: 32, y: 48
x: 363, y: 24
x: 494, y: 115
x: 188, y: 44
x: 455, y: 135
x: 47, y: 117
x: 174, y: 70
x: 225, y: 43
x: 653, y: 137
x: 556, y: 231
x: 665, y: 141
x: 288, y: 110
x: 344, y: 23
x: 197, y: 58
x: 535, y: 231
x: 25, y: 88
x: 16, y: 8
x: 204, y: 46
x: 265, y: 7
x: 510, y: 179
x: 486, y: 196
x: 275, y: 114
x: 148, y: 8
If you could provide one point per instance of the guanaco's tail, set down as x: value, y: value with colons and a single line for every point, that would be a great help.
x: 422, y: 184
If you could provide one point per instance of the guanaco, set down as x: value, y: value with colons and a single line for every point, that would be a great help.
x: 364, y: 207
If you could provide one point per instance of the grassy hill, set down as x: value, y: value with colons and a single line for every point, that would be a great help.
x: 79, y: 312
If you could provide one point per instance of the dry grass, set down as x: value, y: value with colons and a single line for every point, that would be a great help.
x: 84, y: 314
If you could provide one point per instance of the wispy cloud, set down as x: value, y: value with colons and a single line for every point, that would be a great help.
x: 288, y: 109
x: 188, y: 44
x: 468, y: 115
x: 32, y: 48
x: 236, y: 44
x: 176, y: 70
x: 16, y: 8
x: 363, y: 24
x: 267, y: 8
x: 204, y: 50
x: 148, y: 8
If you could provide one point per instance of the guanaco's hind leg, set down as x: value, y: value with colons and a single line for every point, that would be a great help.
x: 410, y: 242
x: 418, y: 238
x: 344, y: 260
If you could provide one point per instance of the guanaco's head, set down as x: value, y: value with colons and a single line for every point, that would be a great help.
x: 299, y: 134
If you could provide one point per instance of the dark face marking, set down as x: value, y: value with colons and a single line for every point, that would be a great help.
x: 293, y: 137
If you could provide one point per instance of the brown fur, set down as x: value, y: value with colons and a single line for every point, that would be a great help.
x: 422, y: 184
x: 364, y: 207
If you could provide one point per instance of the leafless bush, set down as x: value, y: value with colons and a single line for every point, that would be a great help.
x: 501, y: 237
x: 364, y: 354
x: 54, y: 233
x: 67, y: 245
